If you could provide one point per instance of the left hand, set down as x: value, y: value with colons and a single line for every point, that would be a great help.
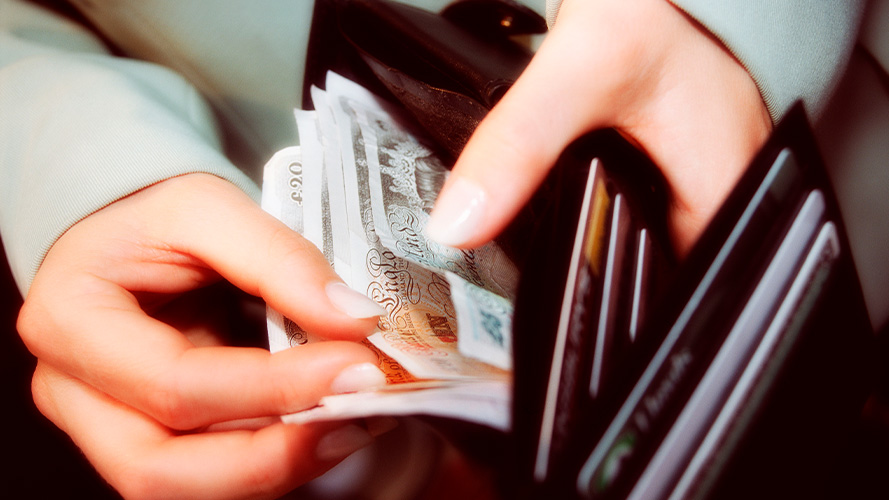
x: 137, y: 373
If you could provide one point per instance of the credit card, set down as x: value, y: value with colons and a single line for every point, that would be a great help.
x: 642, y: 283
x: 795, y: 307
x: 575, y: 321
x: 698, y: 414
x: 611, y: 335
x: 655, y: 399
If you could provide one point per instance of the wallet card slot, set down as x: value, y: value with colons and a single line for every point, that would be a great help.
x: 641, y: 283
x: 700, y: 410
x: 606, y: 329
x: 574, y: 321
x: 685, y: 344
x: 807, y: 285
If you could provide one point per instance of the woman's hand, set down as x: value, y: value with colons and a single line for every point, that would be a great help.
x: 642, y: 67
x: 147, y: 388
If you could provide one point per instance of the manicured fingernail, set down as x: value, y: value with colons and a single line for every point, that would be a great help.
x: 342, y: 442
x: 360, y: 377
x: 352, y: 303
x: 457, y: 214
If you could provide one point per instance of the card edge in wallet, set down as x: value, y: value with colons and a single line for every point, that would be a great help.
x: 713, y: 274
x: 809, y: 220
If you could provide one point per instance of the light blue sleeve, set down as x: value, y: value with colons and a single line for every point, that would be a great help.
x: 80, y: 129
x: 793, y: 49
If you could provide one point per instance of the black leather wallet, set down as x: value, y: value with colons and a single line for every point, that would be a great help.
x: 734, y: 373
x: 752, y: 363
x: 447, y: 69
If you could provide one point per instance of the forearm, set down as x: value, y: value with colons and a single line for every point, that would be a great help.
x: 82, y: 129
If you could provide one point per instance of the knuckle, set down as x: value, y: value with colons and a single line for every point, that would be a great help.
x: 53, y: 309
x: 285, y: 398
x: 262, y: 480
x: 31, y: 325
x: 270, y: 478
x: 40, y: 394
x: 25, y: 324
x: 135, y: 482
x: 289, y: 254
x: 166, y: 403
x: 288, y: 244
x: 514, y: 143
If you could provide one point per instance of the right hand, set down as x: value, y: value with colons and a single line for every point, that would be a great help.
x: 162, y: 411
x: 641, y: 66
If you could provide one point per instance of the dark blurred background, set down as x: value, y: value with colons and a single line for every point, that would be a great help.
x: 39, y: 461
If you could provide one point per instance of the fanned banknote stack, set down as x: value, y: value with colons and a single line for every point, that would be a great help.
x: 360, y: 186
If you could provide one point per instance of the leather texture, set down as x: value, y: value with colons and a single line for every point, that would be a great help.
x: 447, y: 69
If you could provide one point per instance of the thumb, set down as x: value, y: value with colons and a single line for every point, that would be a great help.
x: 571, y: 86
x: 262, y: 256
x: 643, y: 67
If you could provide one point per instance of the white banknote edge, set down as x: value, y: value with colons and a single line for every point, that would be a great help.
x: 273, y: 204
x: 481, y: 402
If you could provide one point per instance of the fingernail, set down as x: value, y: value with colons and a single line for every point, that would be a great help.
x: 342, y: 442
x: 360, y: 377
x: 352, y: 303
x: 457, y: 213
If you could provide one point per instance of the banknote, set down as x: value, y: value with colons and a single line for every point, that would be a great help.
x: 479, y: 401
x: 419, y: 330
x: 484, y: 317
x: 395, y: 178
x: 353, y: 189
x: 333, y: 172
x: 404, y: 177
x: 315, y: 199
x: 284, y: 195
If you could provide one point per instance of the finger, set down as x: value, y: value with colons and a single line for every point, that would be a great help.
x: 184, y: 232
x: 143, y: 459
x: 642, y: 67
x: 259, y: 254
x: 572, y: 85
x: 104, y: 339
